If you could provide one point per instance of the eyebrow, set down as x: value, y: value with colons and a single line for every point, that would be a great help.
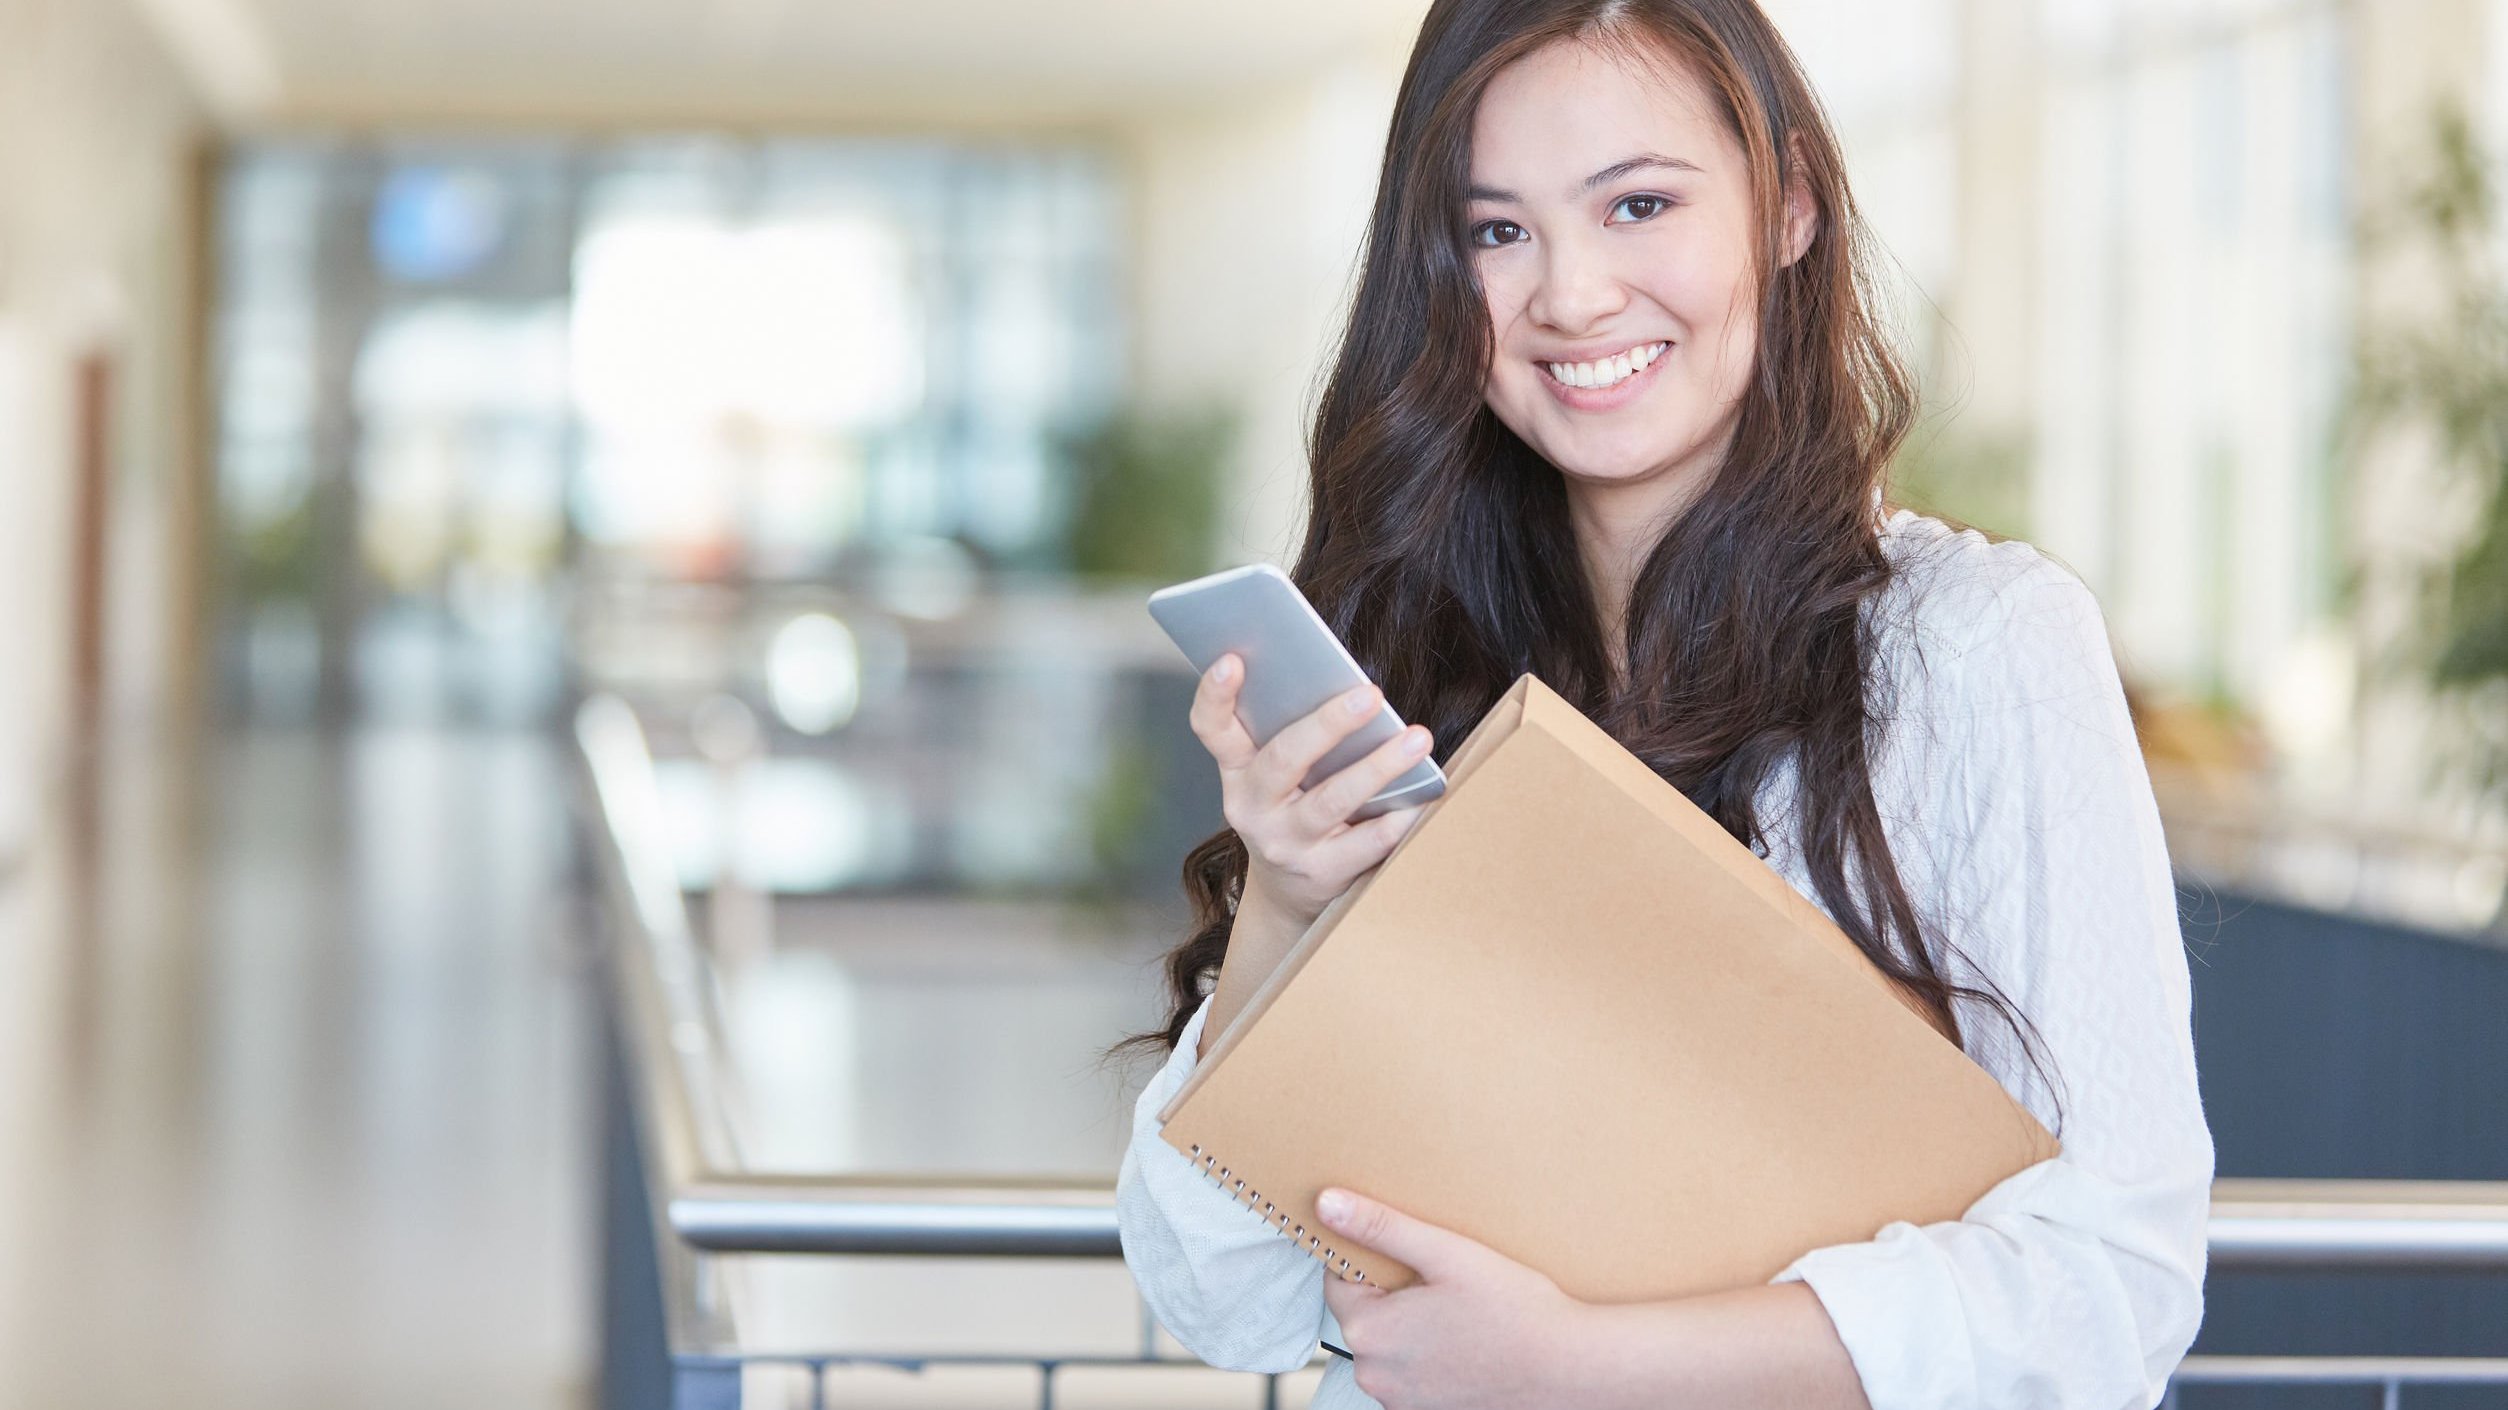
x: 1644, y: 161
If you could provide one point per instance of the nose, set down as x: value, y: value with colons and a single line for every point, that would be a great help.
x: 1578, y: 290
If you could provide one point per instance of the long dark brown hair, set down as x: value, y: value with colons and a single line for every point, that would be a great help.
x: 1438, y: 544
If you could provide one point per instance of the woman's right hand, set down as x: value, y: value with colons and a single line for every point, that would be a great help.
x: 1301, y: 849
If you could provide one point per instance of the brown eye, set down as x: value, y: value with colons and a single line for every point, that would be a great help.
x: 1640, y: 207
x: 1490, y: 234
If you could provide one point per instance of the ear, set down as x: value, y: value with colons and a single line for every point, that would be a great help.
x: 1802, y: 213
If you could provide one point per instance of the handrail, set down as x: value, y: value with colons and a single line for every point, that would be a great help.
x: 2395, y: 1224
x: 2255, y: 1224
x: 894, y: 1214
x: 2343, y: 1370
x: 713, y: 1204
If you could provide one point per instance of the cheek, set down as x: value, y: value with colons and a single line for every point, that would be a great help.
x: 1720, y: 319
x: 1515, y: 395
x: 1504, y: 290
x: 1505, y: 295
x: 1703, y: 289
x: 1735, y: 352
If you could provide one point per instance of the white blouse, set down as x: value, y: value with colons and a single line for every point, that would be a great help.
x: 2021, y: 819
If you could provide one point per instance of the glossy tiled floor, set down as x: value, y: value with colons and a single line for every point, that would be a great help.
x: 293, y: 1086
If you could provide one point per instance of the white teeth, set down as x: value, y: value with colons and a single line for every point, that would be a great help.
x: 1606, y: 371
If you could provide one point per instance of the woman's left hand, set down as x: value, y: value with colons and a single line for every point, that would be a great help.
x: 1478, y: 1331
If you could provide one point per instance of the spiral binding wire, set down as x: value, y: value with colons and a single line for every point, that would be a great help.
x: 1253, y: 1199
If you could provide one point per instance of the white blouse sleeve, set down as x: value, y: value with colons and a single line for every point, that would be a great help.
x: 2025, y: 825
x: 1218, y: 1276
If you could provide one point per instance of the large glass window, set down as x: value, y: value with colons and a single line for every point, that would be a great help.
x: 459, y: 383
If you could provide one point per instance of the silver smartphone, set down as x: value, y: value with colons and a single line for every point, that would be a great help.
x: 1293, y: 663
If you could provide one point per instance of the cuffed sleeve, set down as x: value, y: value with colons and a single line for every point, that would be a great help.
x: 1215, y: 1274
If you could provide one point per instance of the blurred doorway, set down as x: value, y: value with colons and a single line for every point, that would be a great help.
x: 91, y: 517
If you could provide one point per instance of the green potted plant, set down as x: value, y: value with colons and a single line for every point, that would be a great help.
x: 2446, y: 373
x: 1145, y: 494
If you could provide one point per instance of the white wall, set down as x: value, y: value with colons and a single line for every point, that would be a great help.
x: 1245, y: 242
x: 96, y: 131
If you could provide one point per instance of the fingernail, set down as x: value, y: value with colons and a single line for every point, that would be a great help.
x: 1225, y: 671
x: 1332, y: 1206
x: 1415, y: 741
x: 1359, y: 701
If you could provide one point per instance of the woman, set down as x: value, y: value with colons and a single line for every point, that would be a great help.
x: 1612, y: 407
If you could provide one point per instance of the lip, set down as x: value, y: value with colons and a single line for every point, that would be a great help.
x: 1610, y: 398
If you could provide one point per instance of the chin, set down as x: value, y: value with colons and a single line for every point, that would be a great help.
x: 1609, y: 459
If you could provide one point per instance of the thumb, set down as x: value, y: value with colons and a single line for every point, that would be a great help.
x: 1430, y: 1251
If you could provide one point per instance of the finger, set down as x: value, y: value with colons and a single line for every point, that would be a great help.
x: 1282, y: 765
x: 1365, y: 844
x: 1430, y: 1251
x: 1345, y: 1296
x: 1333, y: 800
x: 1214, y: 714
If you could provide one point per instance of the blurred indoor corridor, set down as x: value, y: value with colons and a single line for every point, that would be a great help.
x: 585, y: 780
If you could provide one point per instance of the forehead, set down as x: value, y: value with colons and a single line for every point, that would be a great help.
x: 1569, y: 109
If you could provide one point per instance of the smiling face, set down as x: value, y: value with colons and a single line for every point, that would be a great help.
x: 1612, y: 228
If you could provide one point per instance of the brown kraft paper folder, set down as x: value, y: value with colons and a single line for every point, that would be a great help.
x: 1572, y: 1018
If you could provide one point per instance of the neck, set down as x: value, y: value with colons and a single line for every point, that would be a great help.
x: 1617, y: 523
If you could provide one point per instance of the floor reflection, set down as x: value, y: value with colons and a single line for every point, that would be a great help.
x: 942, y: 1036
x: 292, y: 1081
x: 295, y: 1084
